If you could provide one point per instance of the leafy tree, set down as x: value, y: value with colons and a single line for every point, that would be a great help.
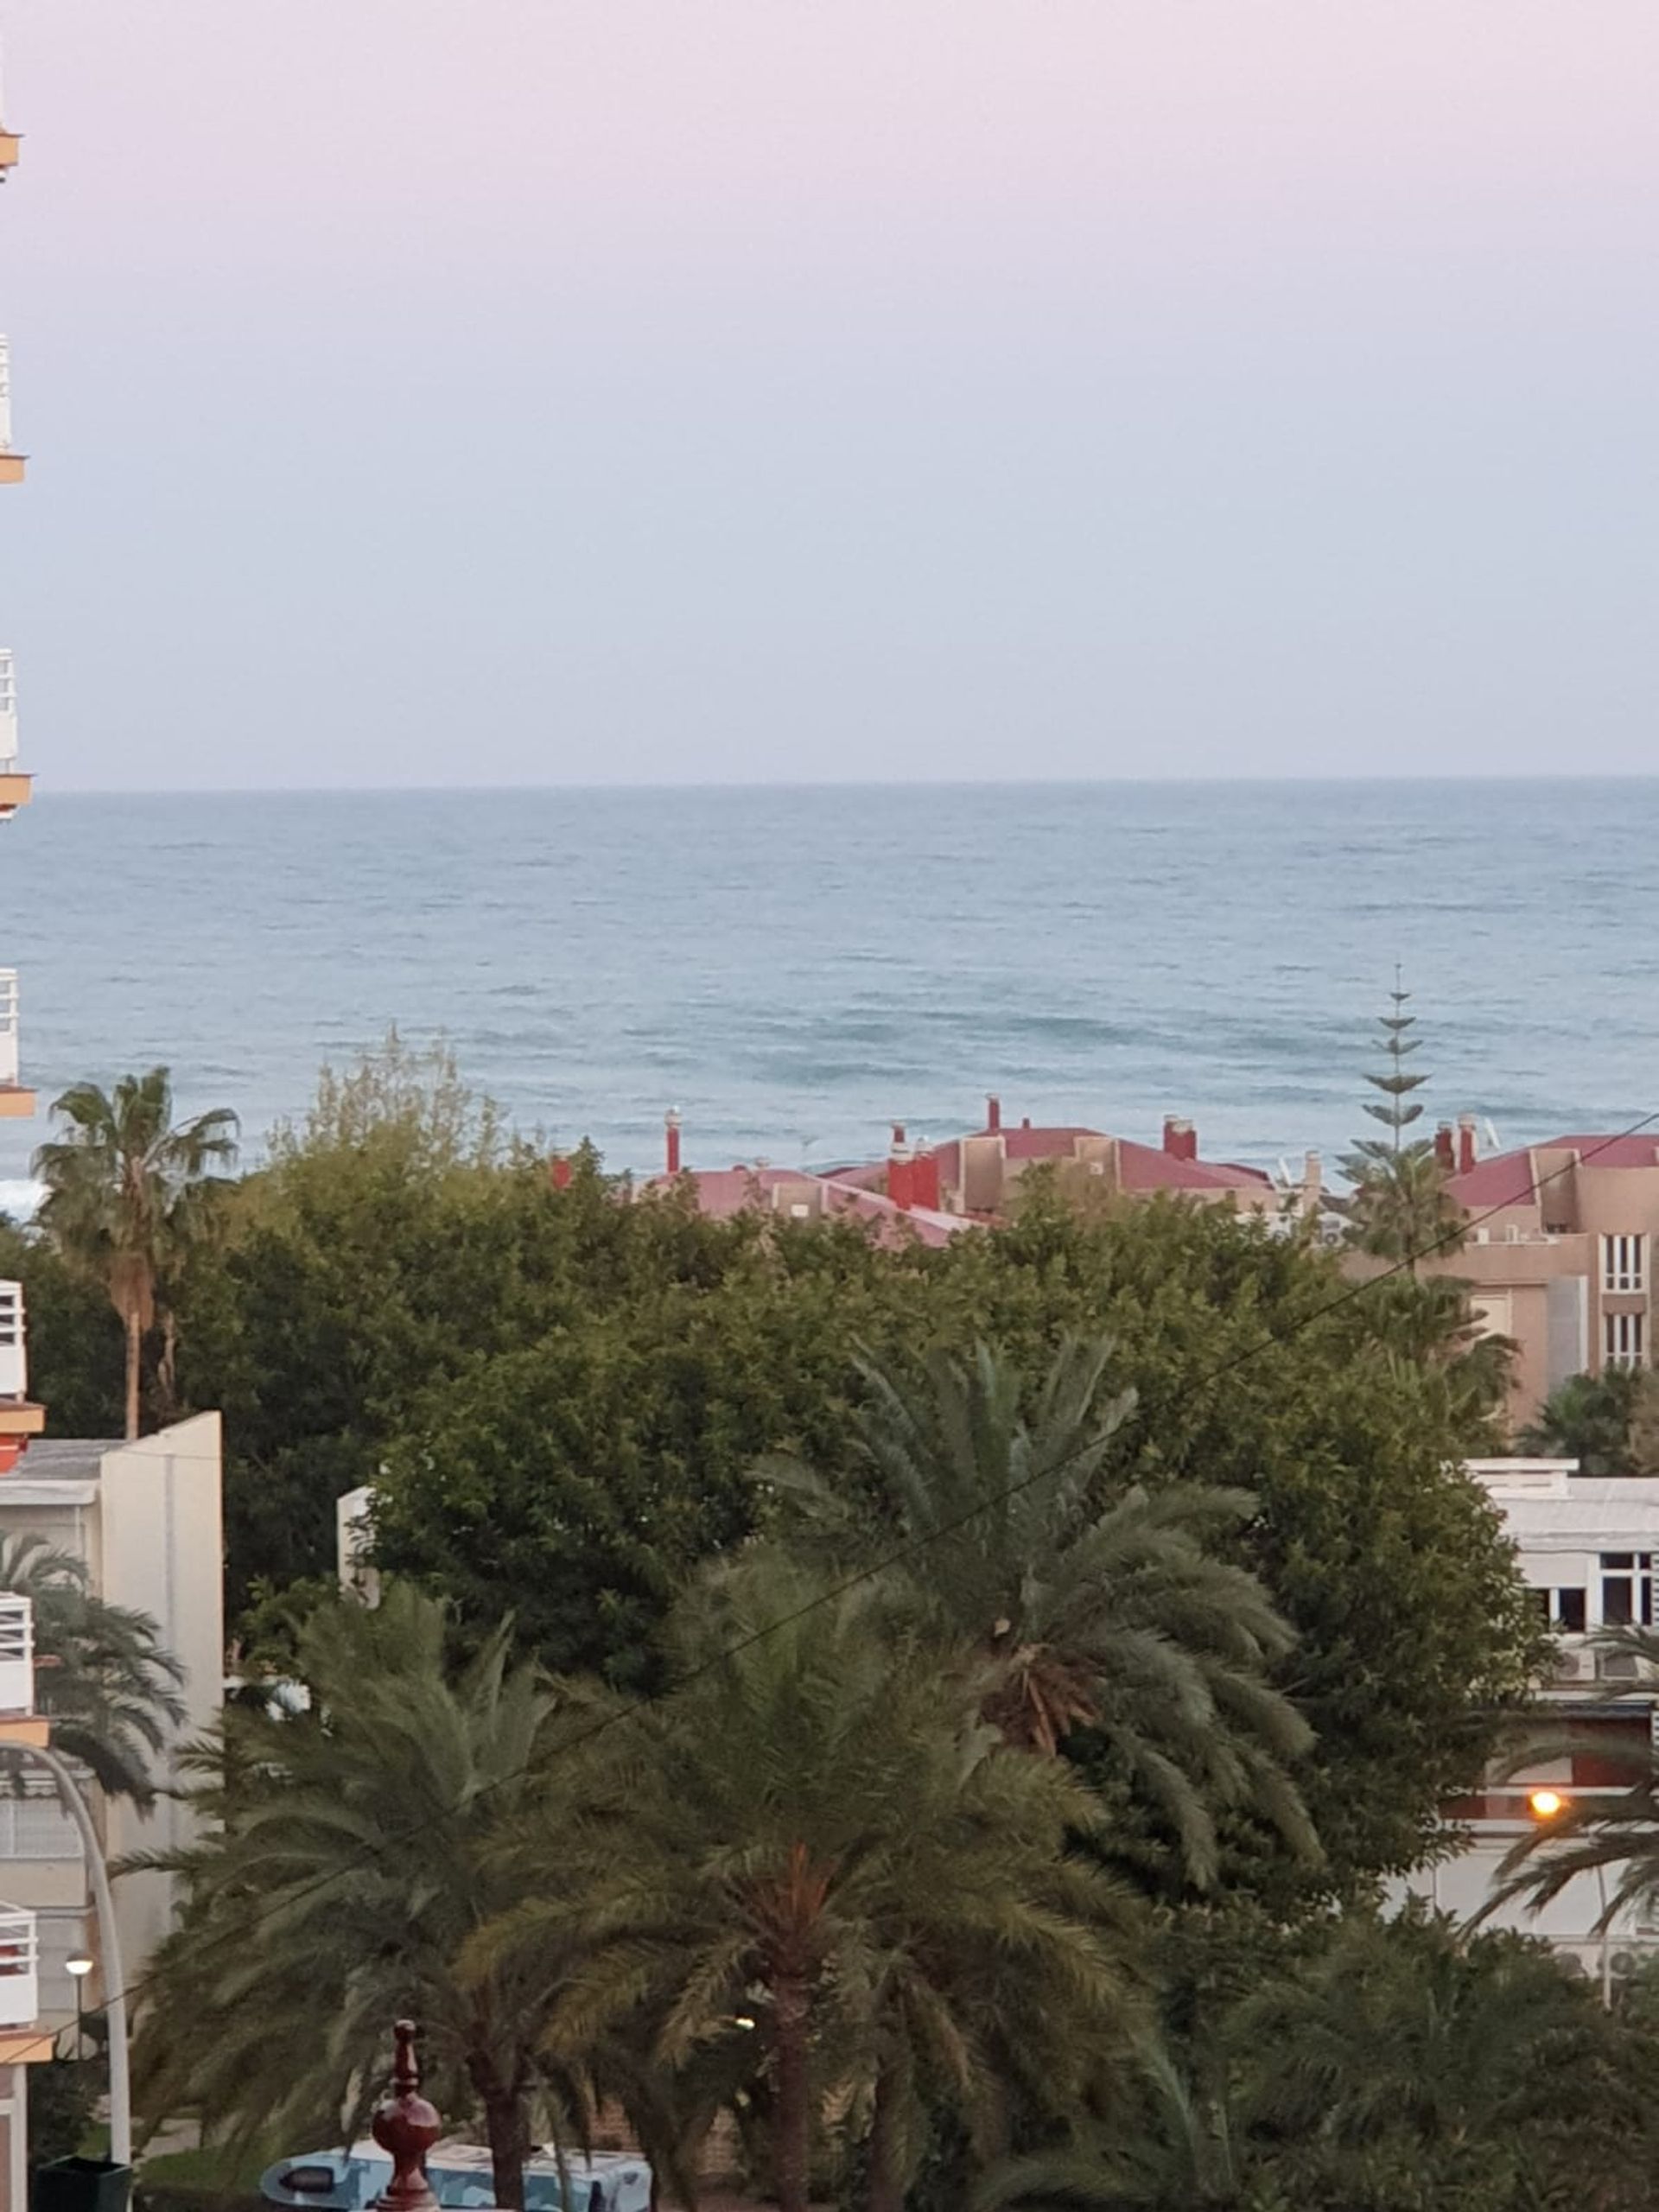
x: 108, y: 1684
x: 811, y: 1834
x: 123, y: 1196
x: 1080, y: 1615
x: 1591, y: 1417
x: 1400, y: 1207
x: 344, y: 1866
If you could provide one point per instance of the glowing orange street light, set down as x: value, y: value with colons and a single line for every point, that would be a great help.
x: 1544, y: 1804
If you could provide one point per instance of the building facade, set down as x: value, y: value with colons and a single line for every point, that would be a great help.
x: 1560, y: 1254
x: 1588, y: 1548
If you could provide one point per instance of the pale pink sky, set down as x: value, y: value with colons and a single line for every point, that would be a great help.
x: 500, y: 391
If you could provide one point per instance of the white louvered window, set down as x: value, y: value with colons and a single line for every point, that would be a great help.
x: 1623, y: 1264
x: 1624, y: 1339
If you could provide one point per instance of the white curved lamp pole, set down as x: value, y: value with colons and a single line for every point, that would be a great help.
x: 109, y: 1944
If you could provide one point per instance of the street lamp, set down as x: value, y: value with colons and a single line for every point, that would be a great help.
x: 1547, y: 1805
x: 79, y: 1967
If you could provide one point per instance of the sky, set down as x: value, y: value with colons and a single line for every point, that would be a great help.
x: 511, y: 392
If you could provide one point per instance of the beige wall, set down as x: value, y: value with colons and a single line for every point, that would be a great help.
x: 160, y: 1526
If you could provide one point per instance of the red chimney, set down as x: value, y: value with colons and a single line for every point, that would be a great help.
x: 924, y: 1181
x: 1466, y: 1143
x: 671, y: 1125
x: 560, y: 1171
x: 993, y: 1114
x: 1180, y: 1139
x: 1444, y: 1152
x: 901, y: 1170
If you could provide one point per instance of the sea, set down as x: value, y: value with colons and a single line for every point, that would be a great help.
x: 796, y: 968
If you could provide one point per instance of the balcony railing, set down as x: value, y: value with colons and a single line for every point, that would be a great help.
x: 16, y: 1654
x: 36, y: 1827
x: 20, y: 1968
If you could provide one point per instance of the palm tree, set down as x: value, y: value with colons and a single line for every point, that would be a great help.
x: 1404, y: 2065
x: 812, y: 1851
x: 1182, y: 2151
x: 109, y: 1687
x: 124, y: 1194
x: 1590, y: 1418
x: 1114, y: 1618
x: 346, y: 1868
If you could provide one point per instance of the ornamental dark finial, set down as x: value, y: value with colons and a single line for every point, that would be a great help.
x: 406, y: 2126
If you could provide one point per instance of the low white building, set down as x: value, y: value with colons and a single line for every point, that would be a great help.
x: 1587, y: 1546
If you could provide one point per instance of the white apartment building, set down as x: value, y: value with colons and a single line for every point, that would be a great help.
x: 1588, y: 1548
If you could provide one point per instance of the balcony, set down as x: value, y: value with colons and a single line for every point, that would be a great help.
x: 10, y: 146
x: 15, y: 789
x: 11, y: 464
x: 16, y: 1099
x: 19, y: 1418
x: 19, y: 1722
x: 20, y: 1968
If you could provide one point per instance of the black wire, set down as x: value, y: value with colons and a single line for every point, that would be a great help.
x: 1451, y: 1239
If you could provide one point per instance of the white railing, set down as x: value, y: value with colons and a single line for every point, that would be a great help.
x: 20, y: 1968
x: 7, y: 708
x: 16, y: 1653
x: 37, y: 1828
x: 14, y: 1343
x: 10, y: 1060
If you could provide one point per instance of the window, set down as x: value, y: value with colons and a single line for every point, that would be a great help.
x: 1563, y: 1609
x: 1626, y: 1589
x: 1623, y: 1264
x: 1624, y: 1339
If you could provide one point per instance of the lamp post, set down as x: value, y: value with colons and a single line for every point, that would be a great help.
x: 109, y: 1947
x: 1547, y: 1805
x: 79, y: 1967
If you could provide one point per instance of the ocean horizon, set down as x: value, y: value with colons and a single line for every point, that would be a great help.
x: 794, y: 966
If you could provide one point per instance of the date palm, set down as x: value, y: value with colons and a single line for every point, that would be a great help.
x: 1408, y: 2067
x: 1083, y: 1602
x: 124, y: 1187
x: 342, y: 1872
x: 110, y: 1686
x: 813, y: 1849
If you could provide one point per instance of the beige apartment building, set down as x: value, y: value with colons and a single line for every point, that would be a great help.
x: 1560, y: 1252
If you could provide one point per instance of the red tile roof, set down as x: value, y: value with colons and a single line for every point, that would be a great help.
x: 1508, y: 1179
